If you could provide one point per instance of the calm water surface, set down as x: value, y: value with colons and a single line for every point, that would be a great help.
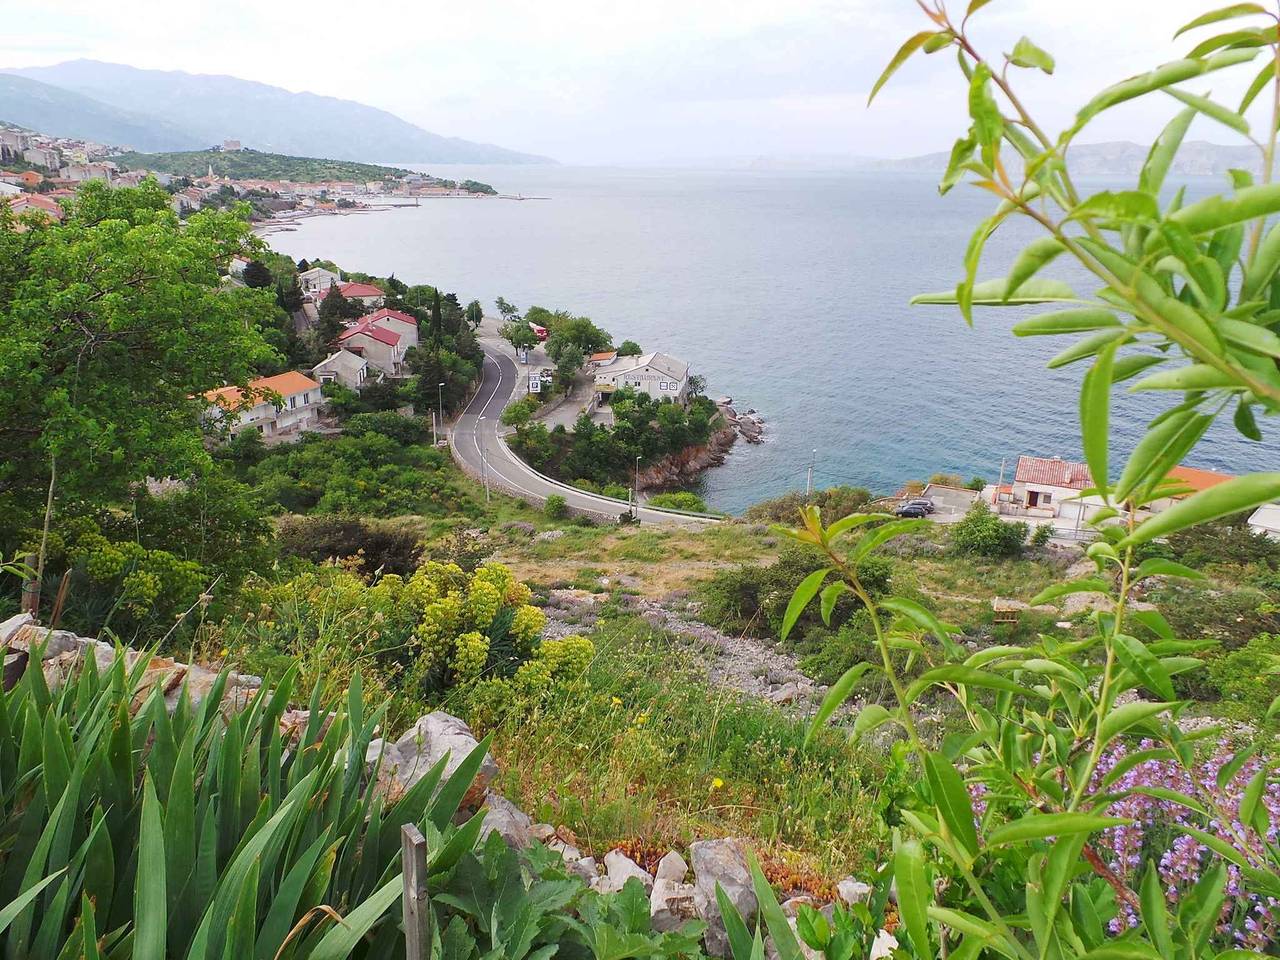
x: 789, y: 292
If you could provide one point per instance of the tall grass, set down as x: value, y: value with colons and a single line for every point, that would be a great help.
x: 644, y: 750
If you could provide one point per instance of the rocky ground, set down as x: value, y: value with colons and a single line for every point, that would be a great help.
x: 744, y: 664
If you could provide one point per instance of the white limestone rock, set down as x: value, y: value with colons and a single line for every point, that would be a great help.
x: 722, y: 862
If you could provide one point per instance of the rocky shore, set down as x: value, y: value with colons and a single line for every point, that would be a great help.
x: 678, y: 469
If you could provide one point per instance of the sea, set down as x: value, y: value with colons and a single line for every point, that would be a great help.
x: 788, y: 290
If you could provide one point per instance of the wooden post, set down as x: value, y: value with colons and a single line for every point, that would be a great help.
x: 417, y: 907
x: 30, y: 587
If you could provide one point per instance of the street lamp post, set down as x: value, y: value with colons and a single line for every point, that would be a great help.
x: 484, y: 459
x: 635, y: 491
x: 440, y: 401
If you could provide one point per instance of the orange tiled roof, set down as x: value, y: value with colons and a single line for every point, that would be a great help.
x: 1198, y: 479
x: 286, y: 384
x: 1053, y: 472
x: 360, y: 290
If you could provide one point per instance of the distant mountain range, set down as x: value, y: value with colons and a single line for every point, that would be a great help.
x: 1116, y: 159
x: 64, y: 113
x: 1119, y: 159
x: 170, y: 110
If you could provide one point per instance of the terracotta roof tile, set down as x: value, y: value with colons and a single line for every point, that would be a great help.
x: 286, y: 384
x: 1198, y: 479
x: 1054, y: 472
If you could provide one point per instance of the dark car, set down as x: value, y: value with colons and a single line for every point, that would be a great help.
x: 922, y: 502
x: 912, y: 510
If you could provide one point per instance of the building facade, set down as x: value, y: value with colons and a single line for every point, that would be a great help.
x: 279, y: 407
x: 657, y: 375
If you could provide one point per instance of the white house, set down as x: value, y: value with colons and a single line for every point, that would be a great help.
x: 45, y: 157
x: 9, y: 189
x: 317, y: 281
x: 382, y: 338
x: 80, y: 172
x: 1049, y: 487
x: 658, y: 375
x: 1266, y: 520
x: 277, y: 407
x: 344, y: 367
x: 238, y: 263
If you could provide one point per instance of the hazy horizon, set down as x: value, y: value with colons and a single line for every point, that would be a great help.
x: 654, y: 84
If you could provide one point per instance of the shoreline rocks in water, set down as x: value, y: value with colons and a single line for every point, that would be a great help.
x: 749, y: 425
x: 679, y: 468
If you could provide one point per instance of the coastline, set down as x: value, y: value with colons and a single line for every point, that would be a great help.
x: 283, y: 223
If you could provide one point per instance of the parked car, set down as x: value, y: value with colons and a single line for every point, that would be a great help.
x: 911, y: 510
x: 924, y: 502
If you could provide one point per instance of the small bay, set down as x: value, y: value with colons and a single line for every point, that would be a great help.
x: 788, y: 290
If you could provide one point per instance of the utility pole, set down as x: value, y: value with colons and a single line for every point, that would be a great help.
x: 635, y: 491
x: 484, y: 459
x: 995, y: 497
x: 808, y: 484
x: 440, y: 400
x: 435, y: 435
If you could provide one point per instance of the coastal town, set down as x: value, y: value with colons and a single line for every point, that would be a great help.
x: 702, y: 566
x: 37, y: 170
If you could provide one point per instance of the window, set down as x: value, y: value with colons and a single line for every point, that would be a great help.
x: 293, y: 402
x: 1046, y: 498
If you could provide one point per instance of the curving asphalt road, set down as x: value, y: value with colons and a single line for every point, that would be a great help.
x: 480, y: 449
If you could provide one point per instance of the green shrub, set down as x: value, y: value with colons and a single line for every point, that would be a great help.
x: 754, y: 600
x: 834, y: 502
x: 984, y: 534
x: 1225, y: 542
x: 367, y: 473
x: 437, y: 631
x: 1043, y: 534
x: 386, y: 546
x: 556, y: 507
x: 680, y: 500
x: 408, y: 430
x: 1248, y: 679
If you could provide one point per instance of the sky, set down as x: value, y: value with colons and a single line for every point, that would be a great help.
x: 641, y: 81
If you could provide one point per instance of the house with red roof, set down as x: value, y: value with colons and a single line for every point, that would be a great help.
x: 382, y: 338
x: 35, y: 202
x: 280, y: 407
x: 366, y: 293
x: 1188, y: 480
x: 1042, y: 485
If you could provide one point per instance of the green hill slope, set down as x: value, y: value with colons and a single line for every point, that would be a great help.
x: 251, y: 164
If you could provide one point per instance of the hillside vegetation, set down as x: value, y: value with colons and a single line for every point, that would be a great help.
x: 253, y: 165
